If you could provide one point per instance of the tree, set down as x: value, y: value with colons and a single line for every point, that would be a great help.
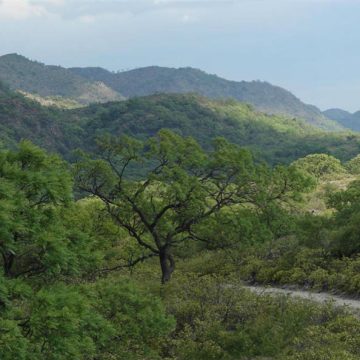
x: 47, y: 243
x: 184, y: 187
x: 345, y: 237
x: 320, y: 165
x: 353, y: 165
x: 34, y: 187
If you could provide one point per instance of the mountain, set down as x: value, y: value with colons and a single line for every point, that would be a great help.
x: 345, y: 118
x: 262, y: 95
x: 53, y: 83
x: 21, y: 118
x: 75, y: 87
x: 275, y: 139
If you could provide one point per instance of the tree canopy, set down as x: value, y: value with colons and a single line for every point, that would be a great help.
x: 184, y: 187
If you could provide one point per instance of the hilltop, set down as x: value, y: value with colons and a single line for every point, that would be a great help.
x: 261, y: 95
x: 75, y: 87
x: 345, y: 118
x: 52, y: 82
x: 275, y: 139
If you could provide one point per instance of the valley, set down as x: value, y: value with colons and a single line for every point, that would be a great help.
x: 166, y: 213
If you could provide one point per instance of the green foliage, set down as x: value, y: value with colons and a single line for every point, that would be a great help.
x: 346, y: 240
x: 105, y: 320
x: 217, y: 320
x: 320, y: 165
x: 275, y: 139
x: 139, y: 322
x: 184, y: 188
x: 263, y: 96
x: 271, y: 138
x: 353, y: 165
x: 220, y: 214
x: 35, y: 189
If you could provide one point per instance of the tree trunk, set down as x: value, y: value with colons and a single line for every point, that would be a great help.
x: 8, y: 263
x: 167, y: 264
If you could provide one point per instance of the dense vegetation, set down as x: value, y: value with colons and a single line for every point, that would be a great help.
x: 21, y: 118
x: 274, y: 139
x: 323, y: 249
x: 80, y: 279
x: 133, y: 229
x: 69, y: 88
x: 20, y: 73
x: 261, y: 95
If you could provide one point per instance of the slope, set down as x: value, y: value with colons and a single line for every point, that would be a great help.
x: 276, y: 139
x: 20, y: 73
x: 262, y: 95
x: 345, y: 118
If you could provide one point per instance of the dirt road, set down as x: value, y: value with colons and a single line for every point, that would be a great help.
x: 351, y: 304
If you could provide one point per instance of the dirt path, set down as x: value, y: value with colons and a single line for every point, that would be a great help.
x: 351, y: 304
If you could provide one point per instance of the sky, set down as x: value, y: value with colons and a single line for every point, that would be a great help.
x: 310, y: 47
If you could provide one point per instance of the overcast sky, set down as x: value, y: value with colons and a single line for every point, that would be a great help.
x: 311, y: 47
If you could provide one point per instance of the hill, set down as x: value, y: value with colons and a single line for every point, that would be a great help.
x: 345, y: 118
x: 275, y: 139
x: 262, y: 95
x: 22, y: 118
x: 33, y: 77
x: 76, y: 87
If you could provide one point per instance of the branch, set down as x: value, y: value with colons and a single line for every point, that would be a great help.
x: 129, y: 264
x: 132, y: 231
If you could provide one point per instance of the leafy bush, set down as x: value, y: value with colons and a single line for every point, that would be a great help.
x: 320, y: 165
x: 217, y: 320
x: 353, y: 165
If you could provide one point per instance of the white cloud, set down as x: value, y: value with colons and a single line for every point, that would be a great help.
x: 20, y: 9
x: 49, y: 2
x: 87, y: 19
x: 187, y: 18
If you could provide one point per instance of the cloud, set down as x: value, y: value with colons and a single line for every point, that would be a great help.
x: 49, y: 2
x: 77, y: 8
x: 87, y: 19
x: 20, y: 9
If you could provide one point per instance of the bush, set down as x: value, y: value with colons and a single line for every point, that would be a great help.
x: 320, y: 165
x: 353, y: 165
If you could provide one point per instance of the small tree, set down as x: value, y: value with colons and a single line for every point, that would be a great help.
x: 183, y: 187
x: 319, y: 165
x: 34, y: 187
x: 353, y: 165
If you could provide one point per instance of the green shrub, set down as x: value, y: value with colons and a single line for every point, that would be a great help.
x: 353, y: 165
x: 320, y: 165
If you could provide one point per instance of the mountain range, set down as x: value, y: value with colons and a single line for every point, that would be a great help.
x: 74, y: 87
x: 261, y: 95
x: 255, y: 115
x: 52, y: 83
x: 272, y: 138
x: 345, y: 118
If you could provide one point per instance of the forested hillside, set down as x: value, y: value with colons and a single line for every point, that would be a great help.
x: 33, y: 77
x: 275, y: 139
x: 97, y: 265
x: 345, y: 118
x: 272, y: 138
x: 21, y: 118
x: 262, y: 95
x: 69, y: 88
